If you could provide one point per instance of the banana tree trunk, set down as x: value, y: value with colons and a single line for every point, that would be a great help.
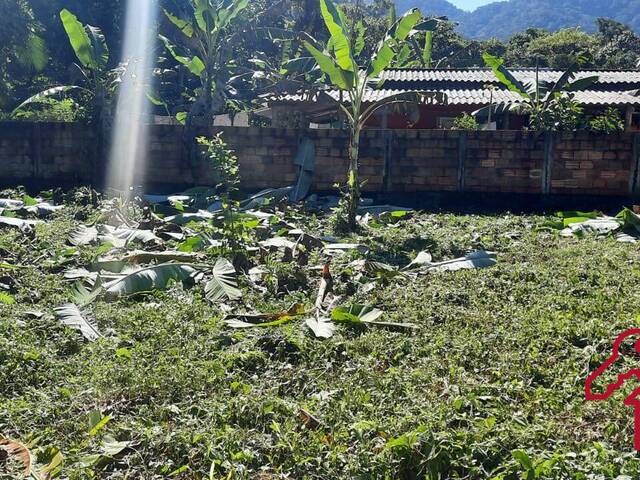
x: 353, y: 182
x: 102, y: 123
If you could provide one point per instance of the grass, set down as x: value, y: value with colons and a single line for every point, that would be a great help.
x: 489, y: 386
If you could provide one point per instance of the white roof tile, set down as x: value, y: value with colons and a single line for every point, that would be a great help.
x: 485, y: 75
x: 481, y: 96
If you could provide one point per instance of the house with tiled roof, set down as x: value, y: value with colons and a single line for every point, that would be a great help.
x: 465, y: 90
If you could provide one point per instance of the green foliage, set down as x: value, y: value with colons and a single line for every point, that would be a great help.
x: 486, y: 382
x: 37, y: 53
x: 450, y: 49
x: 613, y: 46
x: 148, y: 279
x: 223, y: 165
x: 340, y: 219
x: 99, y: 84
x: 88, y: 42
x: 518, y: 48
x: 561, y: 114
x: 466, y: 122
x: 23, y: 52
x: 550, y: 106
x: 222, y: 285
x: 368, y: 22
x: 610, y: 121
x: 418, y: 50
x: 6, y: 299
x: 206, y: 32
x: 618, y: 45
x: 70, y: 316
x: 505, y: 77
x: 560, y: 50
x: 282, y: 277
x: 51, y: 110
x: 338, y: 62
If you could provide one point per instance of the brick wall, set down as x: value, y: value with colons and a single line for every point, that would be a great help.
x: 422, y: 160
x: 595, y: 165
x: 46, y: 151
x: 391, y: 160
x: 504, y: 161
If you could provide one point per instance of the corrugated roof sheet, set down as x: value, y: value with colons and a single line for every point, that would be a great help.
x: 587, y: 97
x: 481, y: 96
x: 485, y: 75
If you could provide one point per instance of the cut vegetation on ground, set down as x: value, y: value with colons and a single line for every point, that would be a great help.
x: 143, y: 341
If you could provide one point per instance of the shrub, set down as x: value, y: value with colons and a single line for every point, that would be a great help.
x: 223, y: 164
x: 466, y: 122
x: 610, y: 121
x: 562, y: 114
x: 224, y: 167
x: 50, y: 110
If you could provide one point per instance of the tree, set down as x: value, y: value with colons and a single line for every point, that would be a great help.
x: 609, y: 121
x: 370, y: 18
x: 561, y: 50
x: 445, y: 47
x: 98, y: 81
x: 338, y: 62
x: 22, y: 50
x: 518, y: 48
x: 550, y: 106
x: 208, y: 30
x: 619, y: 46
x: 108, y: 14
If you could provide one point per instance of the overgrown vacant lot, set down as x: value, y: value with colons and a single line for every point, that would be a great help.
x: 488, y: 385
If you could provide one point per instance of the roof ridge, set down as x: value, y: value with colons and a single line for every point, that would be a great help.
x: 519, y: 69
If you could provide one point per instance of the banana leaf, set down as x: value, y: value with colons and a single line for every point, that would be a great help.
x: 147, y: 279
x: 71, y: 316
x: 339, y: 36
x: 223, y: 284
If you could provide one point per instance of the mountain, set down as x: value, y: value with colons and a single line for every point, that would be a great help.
x: 432, y: 7
x: 502, y: 19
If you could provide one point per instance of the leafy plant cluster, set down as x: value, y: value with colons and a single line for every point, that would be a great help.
x: 198, y: 75
x: 610, y: 121
x: 466, y: 122
x: 98, y: 81
x: 51, y: 110
x: 338, y: 63
x: 551, y: 106
x: 223, y: 165
x: 562, y: 113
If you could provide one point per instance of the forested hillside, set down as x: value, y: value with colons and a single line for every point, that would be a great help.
x: 38, y: 55
x: 502, y: 19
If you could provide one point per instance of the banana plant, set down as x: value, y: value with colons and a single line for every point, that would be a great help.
x: 354, y: 80
x: 92, y: 52
x: 23, y: 50
x: 542, y: 101
x: 417, y: 52
x: 206, y: 51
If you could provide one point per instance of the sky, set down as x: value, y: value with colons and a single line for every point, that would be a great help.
x: 470, y: 4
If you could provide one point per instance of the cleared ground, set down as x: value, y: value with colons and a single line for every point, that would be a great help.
x: 490, y: 384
